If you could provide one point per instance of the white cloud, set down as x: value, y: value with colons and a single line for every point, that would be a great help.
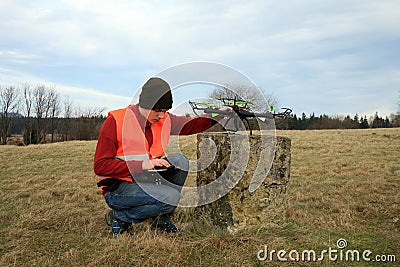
x: 84, y: 97
x: 299, y: 48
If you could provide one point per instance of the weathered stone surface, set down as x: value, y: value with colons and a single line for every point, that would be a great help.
x: 247, y: 158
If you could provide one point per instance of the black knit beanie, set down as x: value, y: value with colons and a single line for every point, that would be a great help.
x: 156, y: 94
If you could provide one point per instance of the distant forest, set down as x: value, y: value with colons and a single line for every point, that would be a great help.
x: 313, y: 122
x: 39, y: 115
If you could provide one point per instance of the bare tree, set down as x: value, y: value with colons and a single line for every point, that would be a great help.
x: 260, y: 100
x: 41, y: 107
x: 67, y: 104
x: 28, y: 100
x: 9, y: 100
x: 53, y: 99
x: 27, y: 107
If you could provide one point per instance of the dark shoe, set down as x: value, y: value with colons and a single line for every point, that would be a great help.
x: 118, y: 226
x: 167, y: 227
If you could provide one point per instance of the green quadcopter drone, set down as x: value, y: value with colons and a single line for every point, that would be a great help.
x: 239, y: 109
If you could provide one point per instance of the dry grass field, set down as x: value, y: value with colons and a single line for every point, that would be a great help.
x: 344, y: 184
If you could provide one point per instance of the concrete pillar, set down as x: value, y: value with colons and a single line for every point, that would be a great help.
x: 257, y: 197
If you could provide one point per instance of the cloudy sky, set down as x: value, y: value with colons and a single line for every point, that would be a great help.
x: 328, y: 57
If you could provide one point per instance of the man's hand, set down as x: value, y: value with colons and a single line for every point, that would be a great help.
x: 150, y: 164
x: 225, y: 108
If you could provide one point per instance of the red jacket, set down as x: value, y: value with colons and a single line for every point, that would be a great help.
x: 105, y: 163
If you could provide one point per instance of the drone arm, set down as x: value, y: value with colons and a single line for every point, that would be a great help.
x: 268, y: 115
x: 218, y: 111
x: 241, y: 113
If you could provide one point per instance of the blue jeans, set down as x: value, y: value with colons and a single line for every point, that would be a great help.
x: 134, y: 203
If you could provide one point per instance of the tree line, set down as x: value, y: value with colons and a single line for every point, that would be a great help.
x: 313, y: 122
x: 41, y: 115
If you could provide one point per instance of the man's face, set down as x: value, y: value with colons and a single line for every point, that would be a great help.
x: 154, y: 115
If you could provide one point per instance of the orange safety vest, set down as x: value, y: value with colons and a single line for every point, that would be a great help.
x: 132, y: 142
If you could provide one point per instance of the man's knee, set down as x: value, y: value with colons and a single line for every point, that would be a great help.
x: 170, y: 197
